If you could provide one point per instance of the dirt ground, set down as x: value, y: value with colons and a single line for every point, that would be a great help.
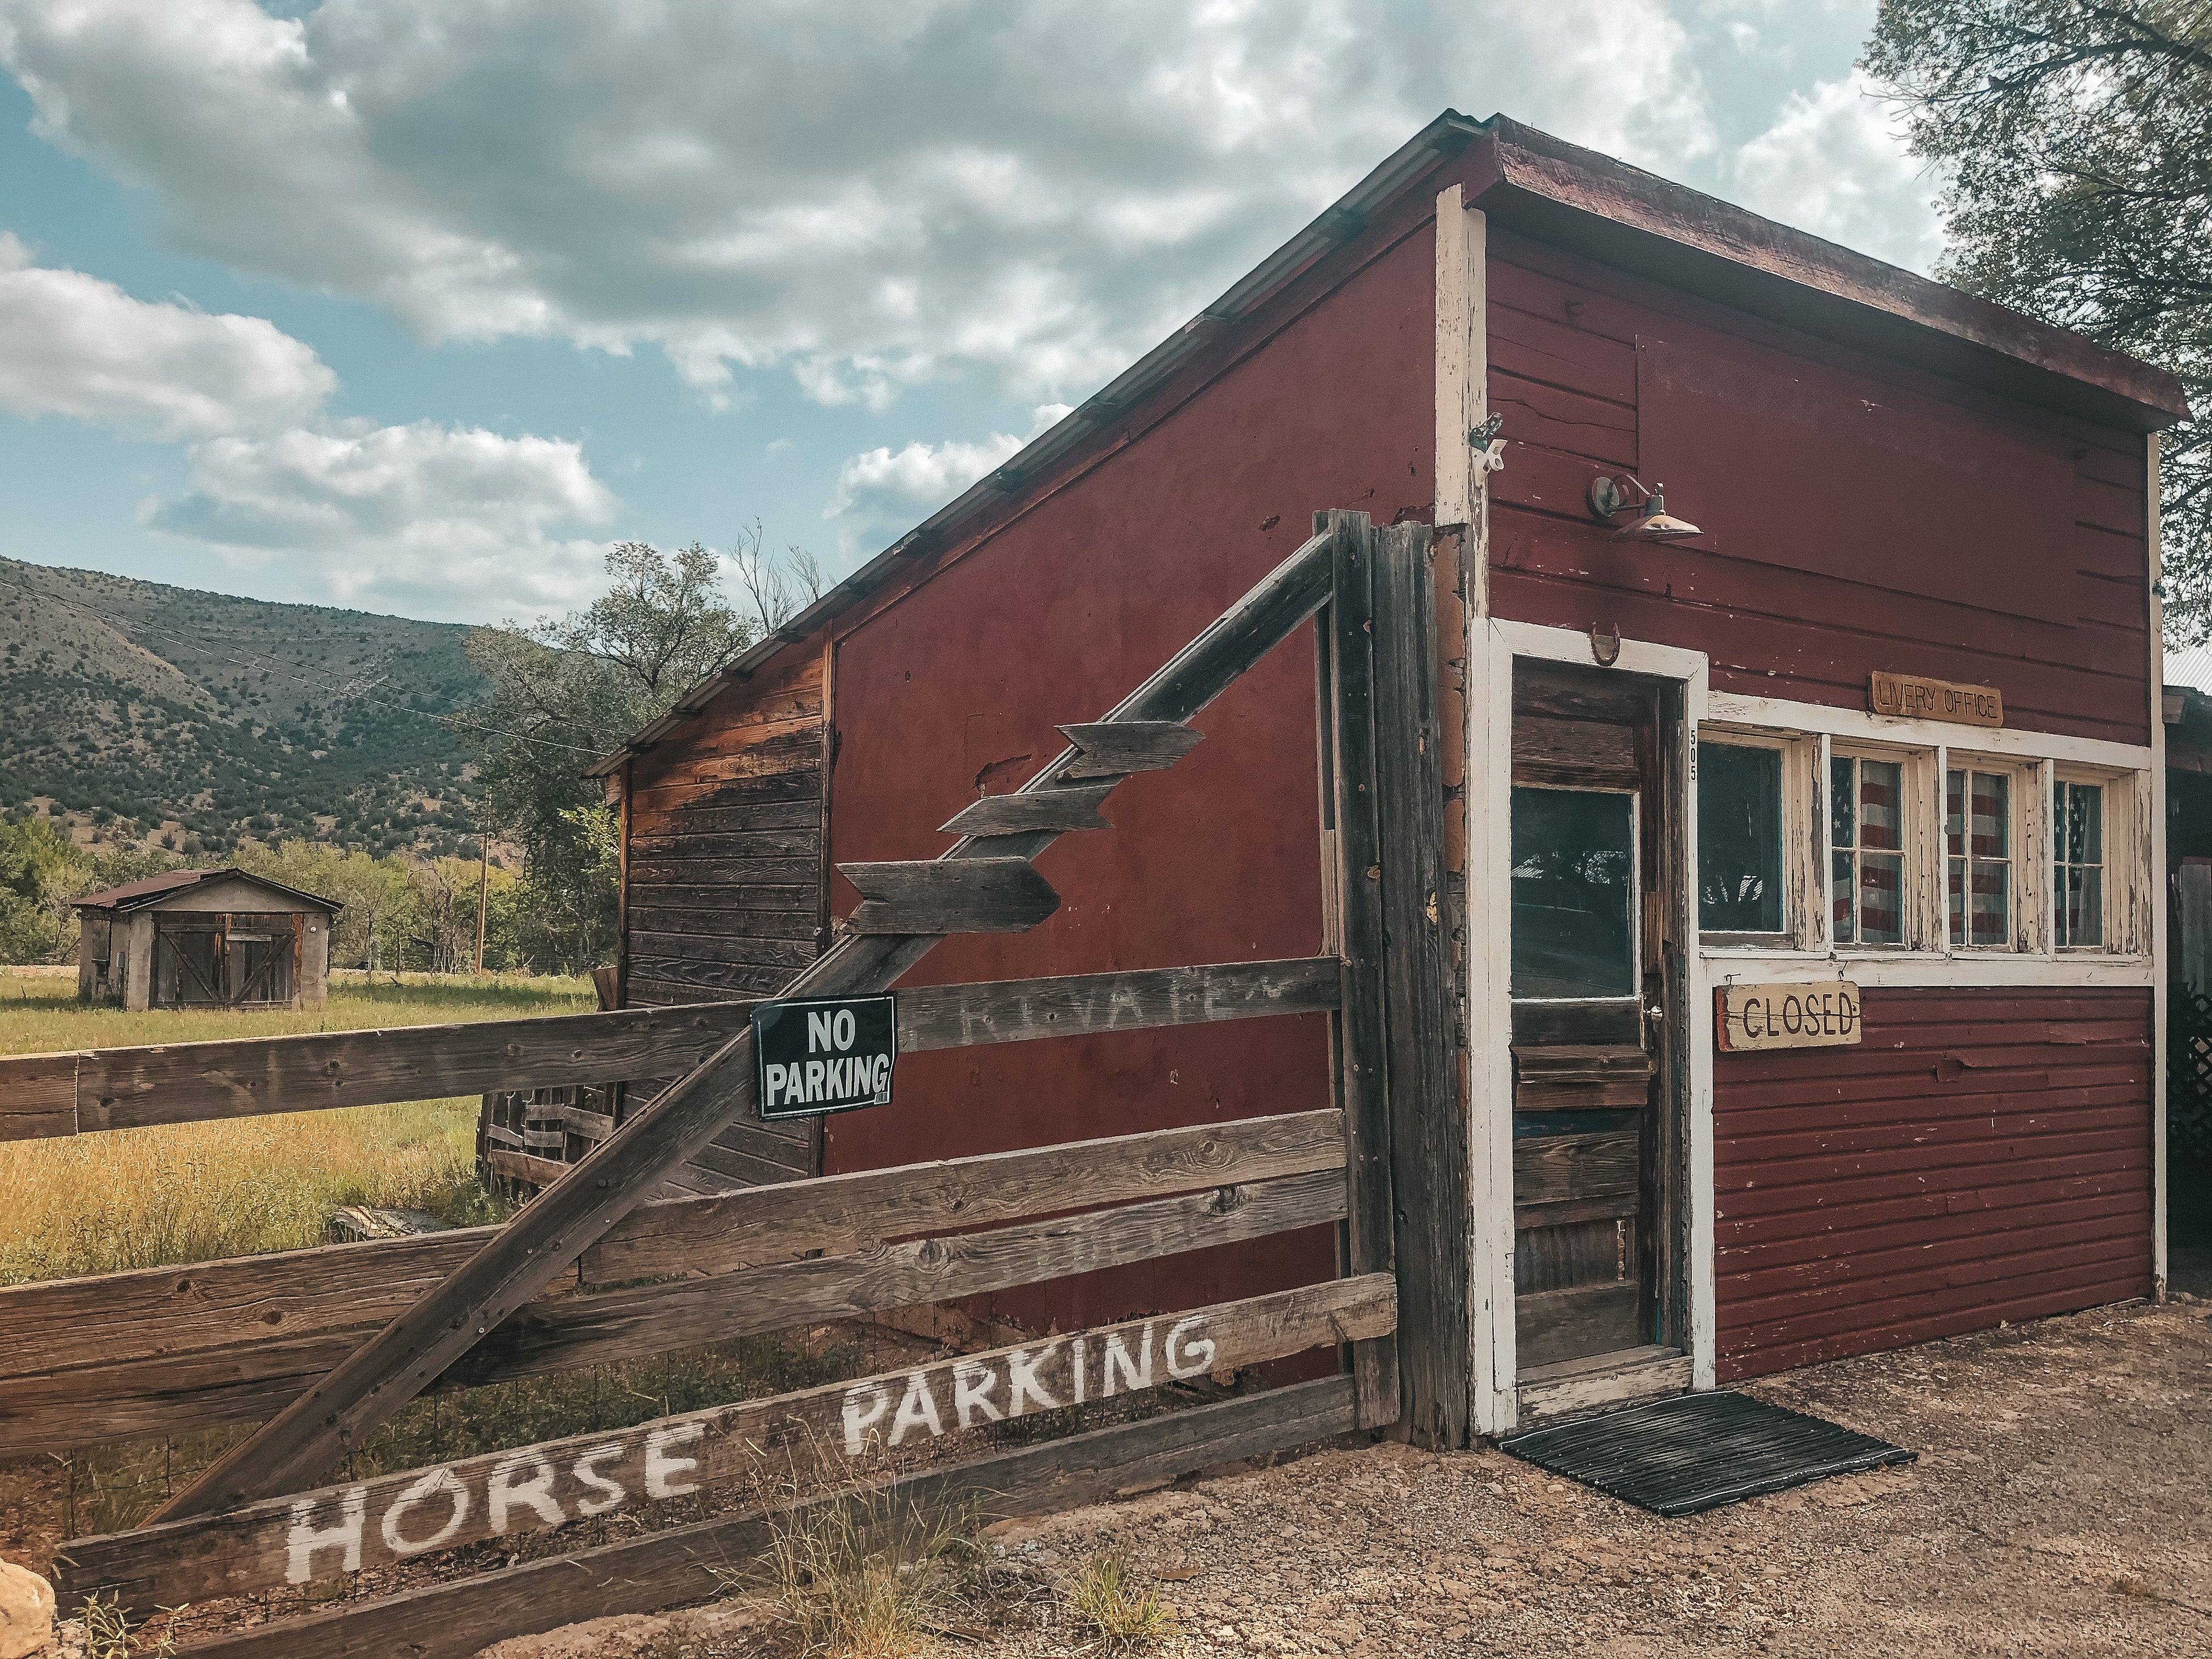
x: 2062, y: 1506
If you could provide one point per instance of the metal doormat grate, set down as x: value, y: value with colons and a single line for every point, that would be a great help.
x: 1698, y: 1451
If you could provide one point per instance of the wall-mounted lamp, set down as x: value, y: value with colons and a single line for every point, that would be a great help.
x: 1608, y: 499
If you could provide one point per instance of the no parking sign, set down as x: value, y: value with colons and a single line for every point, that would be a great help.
x: 819, y: 1055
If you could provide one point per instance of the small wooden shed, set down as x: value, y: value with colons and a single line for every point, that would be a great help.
x: 205, y: 938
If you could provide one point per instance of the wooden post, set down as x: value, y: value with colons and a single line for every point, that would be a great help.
x: 1428, y: 1130
x: 1346, y: 642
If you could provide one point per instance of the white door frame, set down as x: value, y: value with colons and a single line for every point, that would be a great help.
x: 1494, y: 648
x: 1462, y: 375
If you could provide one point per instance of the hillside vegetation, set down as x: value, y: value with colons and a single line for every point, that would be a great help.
x: 164, y: 717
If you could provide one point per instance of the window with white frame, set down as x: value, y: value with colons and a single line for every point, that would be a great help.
x: 1977, y: 862
x: 1739, y: 847
x: 2077, y: 831
x: 1866, y: 842
x: 1935, y: 848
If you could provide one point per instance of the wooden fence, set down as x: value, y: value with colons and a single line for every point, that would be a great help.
x: 326, y: 1344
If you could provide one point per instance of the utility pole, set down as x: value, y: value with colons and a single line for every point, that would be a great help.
x: 483, y: 878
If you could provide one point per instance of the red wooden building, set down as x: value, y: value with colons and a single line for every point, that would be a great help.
x: 1675, y: 764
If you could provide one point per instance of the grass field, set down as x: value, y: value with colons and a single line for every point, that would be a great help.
x: 191, y: 1191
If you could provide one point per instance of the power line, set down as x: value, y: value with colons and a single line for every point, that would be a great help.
x: 328, y: 686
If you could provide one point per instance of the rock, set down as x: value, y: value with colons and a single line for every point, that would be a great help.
x: 26, y: 1612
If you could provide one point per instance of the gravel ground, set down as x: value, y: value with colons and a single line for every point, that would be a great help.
x: 2062, y: 1506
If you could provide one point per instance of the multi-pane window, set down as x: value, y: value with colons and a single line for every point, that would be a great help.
x: 1978, y: 852
x: 1739, y: 839
x: 2077, y: 820
x: 1574, y: 894
x: 1867, y: 841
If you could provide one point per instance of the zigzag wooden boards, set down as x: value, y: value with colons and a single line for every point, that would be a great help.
x: 949, y: 895
x: 1108, y: 749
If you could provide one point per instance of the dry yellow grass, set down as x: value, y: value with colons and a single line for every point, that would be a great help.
x: 191, y: 1191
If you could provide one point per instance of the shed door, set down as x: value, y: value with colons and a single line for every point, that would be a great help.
x: 260, y: 950
x: 1588, y: 829
x: 188, y: 961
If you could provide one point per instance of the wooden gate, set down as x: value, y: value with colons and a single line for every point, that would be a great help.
x: 150, y: 1353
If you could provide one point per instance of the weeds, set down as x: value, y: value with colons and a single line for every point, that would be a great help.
x: 871, y: 1574
x: 109, y: 1634
x: 1119, y: 1618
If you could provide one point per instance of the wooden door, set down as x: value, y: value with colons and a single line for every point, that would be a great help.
x: 1588, y: 899
x: 261, y: 957
x: 189, y: 968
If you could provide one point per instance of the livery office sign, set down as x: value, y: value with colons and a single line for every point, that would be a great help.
x: 1824, y: 1015
x: 820, y: 1054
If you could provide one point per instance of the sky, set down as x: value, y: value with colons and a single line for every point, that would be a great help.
x: 415, y: 306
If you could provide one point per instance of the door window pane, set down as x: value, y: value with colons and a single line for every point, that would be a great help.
x: 1978, y: 852
x: 1739, y: 839
x: 1866, y: 829
x: 2078, y: 835
x: 1574, y: 893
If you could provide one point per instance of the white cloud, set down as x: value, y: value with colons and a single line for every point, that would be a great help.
x: 867, y: 194
x: 882, y: 492
x: 1832, y: 164
x: 425, y: 519
x: 75, y: 346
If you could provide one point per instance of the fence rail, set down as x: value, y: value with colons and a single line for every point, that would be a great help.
x: 289, y: 1541
x: 167, y: 1351
x: 78, y: 1091
x: 332, y: 1342
x: 460, y: 1618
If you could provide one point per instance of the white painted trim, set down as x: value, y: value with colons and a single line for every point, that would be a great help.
x: 1494, y: 1363
x: 1967, y: 970
x: 1857, y: 724
x: 1462, y: 376
x: 2156, y: 876
x: 1666, y: 662
x: 1699, y: 1200
x: 1463, y: 494
x: 1492, y: 645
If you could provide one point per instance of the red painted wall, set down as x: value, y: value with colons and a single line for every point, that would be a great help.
x: 1052, y: 620
x: 1982, y: 1155
x: 1860, y: 514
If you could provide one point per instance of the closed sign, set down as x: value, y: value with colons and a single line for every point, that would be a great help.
x: 1821, y: 1016
x: 824, y: 1055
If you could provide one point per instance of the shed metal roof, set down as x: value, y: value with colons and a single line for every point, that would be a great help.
x: 151, y: 890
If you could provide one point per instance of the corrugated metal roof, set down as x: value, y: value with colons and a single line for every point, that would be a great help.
x: 2191, y: 667
x: 144, y: 887
x: 148, y: 890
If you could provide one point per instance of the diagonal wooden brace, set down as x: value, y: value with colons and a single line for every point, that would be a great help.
x: 293, y: 1450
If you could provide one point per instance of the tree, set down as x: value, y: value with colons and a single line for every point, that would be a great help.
x: 2078, y: 155
x: 565, y: 693
x: 41, y: 870
x: 373, y: 930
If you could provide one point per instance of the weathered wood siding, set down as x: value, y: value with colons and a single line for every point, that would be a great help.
x: 1982, y: 1156
x: 1860, y: 513
x: 723, y: 877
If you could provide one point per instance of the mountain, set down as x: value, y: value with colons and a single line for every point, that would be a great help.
x: 170, y: 717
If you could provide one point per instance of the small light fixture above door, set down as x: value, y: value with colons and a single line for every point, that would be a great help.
x: 1609, y: 499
